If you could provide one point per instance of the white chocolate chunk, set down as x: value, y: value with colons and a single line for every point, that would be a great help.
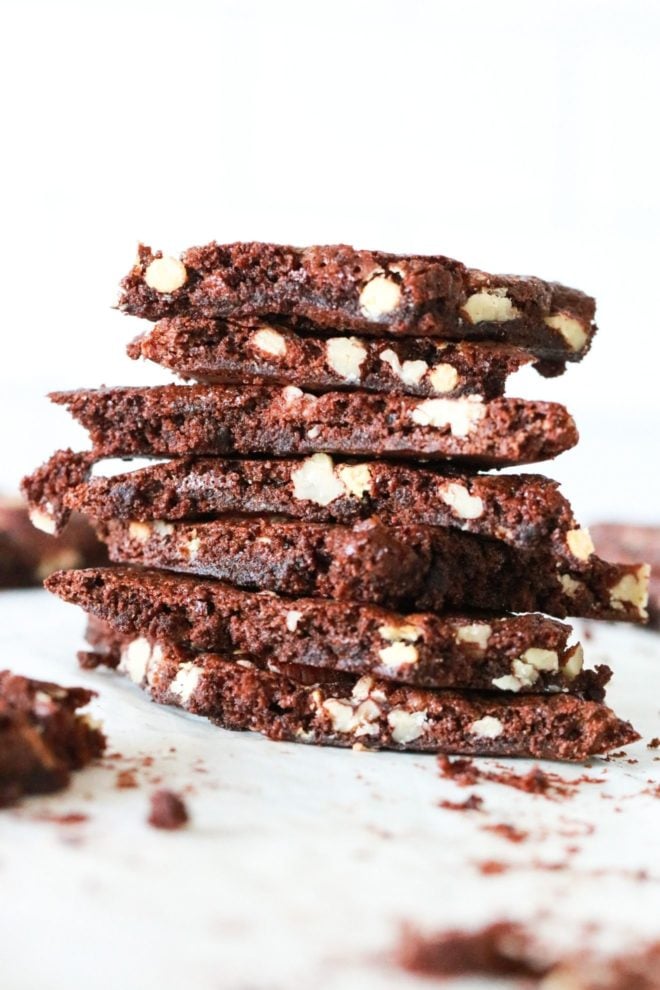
x: 410, y: 372
x: 458, y: 498
x: 362, y: 688
x: 341, y: 714
x: 541, y: 659
x: 490, y: 306
x: 632, y: 589
x: 460, y: 415
x: 379, y: 297
x: 162, y: 528
x: 443, y: 378
x: 507, y: 683
x: 345, y: 356
x: 193, y: 545
x: 406, y: 726
x: 398, y: 654
x: 356, y: 478
x: 572, y: 330
x: 525, y: 672
x: 269, y: 341
x: 570, y: 586
x: 478, y: 633
x: 135, y: 658
x: 574, y: 664
x: 407, y: 633
x: 368, y: 710
x: 346, y: 718
x: 140, y: 531
x: 186, y: 681
x: 315, y: 480
x: 487, y: 727
x: 293, y: 617
x: 166, y: 274
x: 43, y: 521
x: 292, y: 393
x: 580, y: 543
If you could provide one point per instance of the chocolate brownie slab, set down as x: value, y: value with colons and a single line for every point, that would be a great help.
x: 513, y: 653
x: 376, y: 714
x: 27, y: 555
x: 42, y: 737
x: 222, y: 351
x: 523, y: 510
x: 171, y: 420
x: 626, y: 542
x: 420, y: 566
x: 338, y: 288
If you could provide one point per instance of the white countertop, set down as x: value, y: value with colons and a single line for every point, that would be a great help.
x: 300, y: 864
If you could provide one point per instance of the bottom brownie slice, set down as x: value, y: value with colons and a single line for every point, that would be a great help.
x: 279, y: 702
x: 42, y: 738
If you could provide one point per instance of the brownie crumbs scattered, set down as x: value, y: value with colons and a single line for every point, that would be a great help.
x: 464, y: 772
x: 501, y: 949
x: 508, y: 832
x: 471, y: 803
x: 461, y: 770
x: 654, y: 743
x: 42, y: 736
x: 167, y: 810
x: 126, y: 779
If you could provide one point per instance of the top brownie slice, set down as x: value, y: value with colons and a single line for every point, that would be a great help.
x: 338, y: 288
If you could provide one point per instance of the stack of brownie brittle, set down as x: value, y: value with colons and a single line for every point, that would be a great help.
x: 320, y: 556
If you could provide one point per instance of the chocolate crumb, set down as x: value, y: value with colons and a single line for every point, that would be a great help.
x: 471, y: 803
x: 508, y: 832
x: 71, y: 818
x: 654, y: 743
x: 126, y: 779
x: 167, y: 810
x: 501, y: 949
x: 492, y: 867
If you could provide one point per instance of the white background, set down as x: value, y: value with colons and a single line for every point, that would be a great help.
x: 516, y: 136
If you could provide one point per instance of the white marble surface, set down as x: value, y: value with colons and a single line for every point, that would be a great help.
x: 300, y: 864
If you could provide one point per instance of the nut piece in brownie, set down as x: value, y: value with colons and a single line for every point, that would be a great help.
x: 414, y: 566
x: 335, y: 287
x: 27, y: 556
x: 221, y: 351
x: 42, y: 736
x: 172, y: 420
x: 518, y: 653
x: 627, y: 543
x: 524, y: 510
x: 377, y: 714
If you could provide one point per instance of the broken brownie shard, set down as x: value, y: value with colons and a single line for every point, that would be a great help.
x: 225, y: 352
x: 173, y: 420
x: 42, y: 736
x: 338, y: 288
x: 514, y: 653
x: 415, y: 566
